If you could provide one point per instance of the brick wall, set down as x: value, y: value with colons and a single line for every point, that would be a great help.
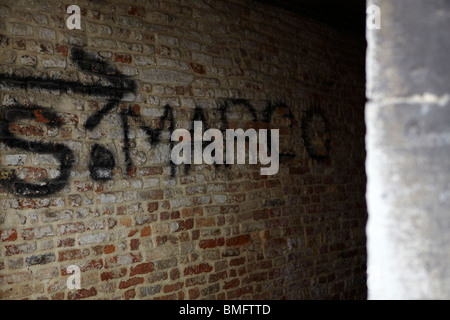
x: 85, y: 170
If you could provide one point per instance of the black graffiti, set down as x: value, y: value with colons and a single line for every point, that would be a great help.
x: 154, y: 134
x: 316, y: 134
x: 102, y: 162
x: 62, y: 153
x: 266, y: 117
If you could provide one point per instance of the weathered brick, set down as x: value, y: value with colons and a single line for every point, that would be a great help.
x: 200, y: 268
x: 16, y: 277
x: 131, y: 282
x: 8, y: 235
x: 145, y: 219
x: 37, y: 232
x: 72, y: 254
x: 82, y: 294
x: 231, y: 284
x: 18, y: 29
x: 163, y: 76
x: 142, y: 268
x: 93, y: 238
x: 123, y: 259
x: 20, y: 248
x: 211, y: 243
x: 40, y: 259
x: 173, y: 287
x: 182, y: 225
x: 149, y: 291
x: 69, y: 242
x: 146, y: 231
x: 193, y: 293
x: 238, y: 240
x: 109, y: 275
x: 14, y: 159
x: 129, y: 294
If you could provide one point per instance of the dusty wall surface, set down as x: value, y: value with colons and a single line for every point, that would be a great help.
x: 85, y: 168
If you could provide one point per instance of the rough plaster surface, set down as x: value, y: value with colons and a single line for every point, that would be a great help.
x: 408, y: 154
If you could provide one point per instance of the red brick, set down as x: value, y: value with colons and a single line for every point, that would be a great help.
x: 193, y: 293
x: 62, y: 49
x: 27, y: 130
x: 133, y: 232
x: 231, y: 284
x: 202, y: 267
x: 152, y: 206
x: 20, y: 248
x: 69, y: 242
x: 34, y: 203
x: 218, y: 276
x: 198, y: 280
x: 172, y: 296
x: 190, y: 212
x: 142, y: 268
x: 179, y: 90
x: 198, y: 68
x: 174, y: 274
x: 82, y: 294
x: 123, y: 259
x: 256, y: 277
x: 68, y: 118
x: 95, y: 264
x: 160, y: 240
x: 110, y: 248
x: 229, y: 209
x: 134, y: 244
x: 185, y: 224
x: 140, y: 11
x: 146, y: 231
x: 211, y: 243
x: 238, y: 240
x: 131, y: 282
x: 119, y: 273
x: 8, y: 235
x: 237, y: 261
x: 172, y: 287
x: 129, y: 294
x: 125, y: 58
x: 73, y: 254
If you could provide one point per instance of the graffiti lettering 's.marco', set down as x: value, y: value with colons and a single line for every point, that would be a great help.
x: 101, y: 159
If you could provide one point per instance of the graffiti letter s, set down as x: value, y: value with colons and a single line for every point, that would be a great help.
x: 62, y: 153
